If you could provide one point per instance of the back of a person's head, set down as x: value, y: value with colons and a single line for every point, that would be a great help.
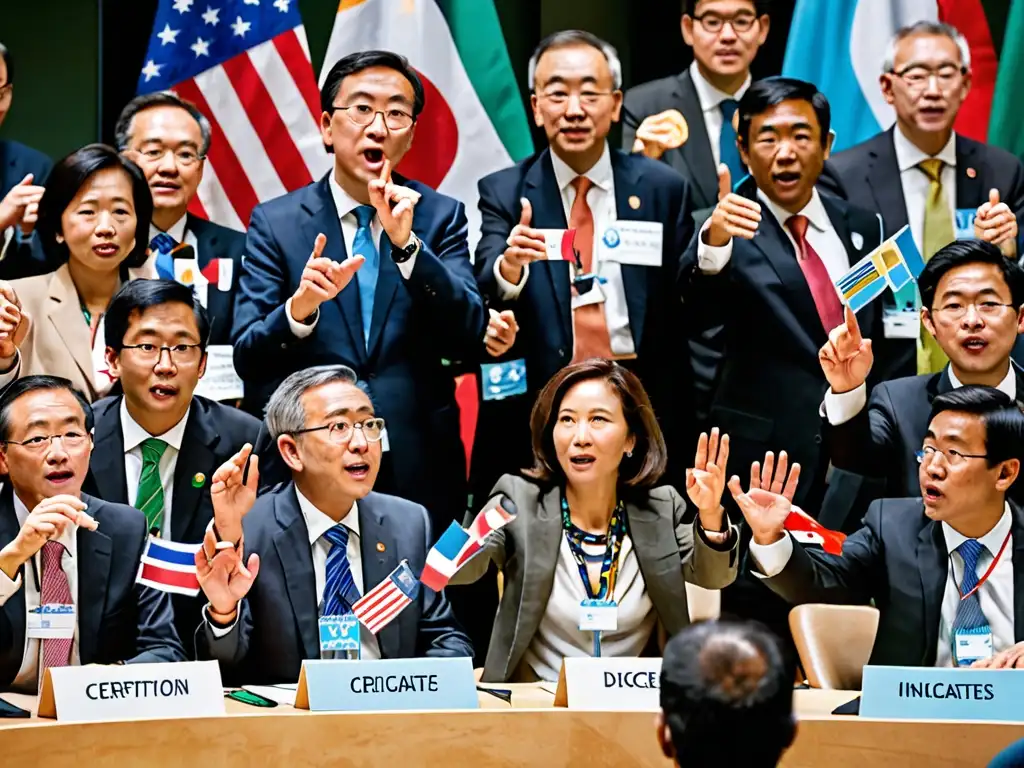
x: 726, y: 696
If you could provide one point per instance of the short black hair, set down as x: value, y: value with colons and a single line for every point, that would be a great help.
x: 69, y: 176
x: 961, y: 252
x: 772, y: 91
x: 122, y: 129
x: 5, y: 54
x: 27, y: 384
x: 357, y: 62
x: 140, y: 295
x: 1002, y: 419
x: 761, y: 7
x: 727, y: 695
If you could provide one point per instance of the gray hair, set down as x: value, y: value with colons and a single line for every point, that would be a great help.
x: 577, y: 37
x: 123, y: 127
x: 927, y: 28
x: 285, y: 412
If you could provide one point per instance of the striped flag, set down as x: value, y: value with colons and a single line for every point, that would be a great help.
x: 497, y: 515
x: 245, y: 65
x: 380, y: 605
x: 806, y: 530
x: 169, y: 567
x: 442, y: 558
x: 896, y: 263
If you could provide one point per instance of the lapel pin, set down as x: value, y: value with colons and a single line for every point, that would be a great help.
x: 971, y: 173
x: 198, y: 480
x: 634, y: 202
x: 380, y: 546
x: 857, y: 239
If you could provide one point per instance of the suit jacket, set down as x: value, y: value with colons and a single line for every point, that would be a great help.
x: 435, y: 315
x: 118, y: 620
x: 899, y: 560
x: 543, y: 311
x: 23, y: 253
x: 216, y: 242
x: 694, y: 160
x: 669, y: 551
x: 277, y: 620
x: 213, y: 433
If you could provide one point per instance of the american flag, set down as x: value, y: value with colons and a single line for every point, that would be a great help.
x: 384, y: 602
x: 245, y: 64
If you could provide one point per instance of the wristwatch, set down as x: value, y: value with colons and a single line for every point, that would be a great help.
x: 402, y: 255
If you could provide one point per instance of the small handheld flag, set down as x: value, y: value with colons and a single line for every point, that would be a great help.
x: 893, y: 264
x: 442, y: 559
x: 500, y: 514
x: 169, y: 567
x: 378, y: 607
x: 806, y: 530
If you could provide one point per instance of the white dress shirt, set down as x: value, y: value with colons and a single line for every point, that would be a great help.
x: 915, y: 181
x: 601, y: 199
x: 710, y: 99
x: 995, y: 595
x: 133, y: 436
x: 27, y: 679
x: 346, y: 206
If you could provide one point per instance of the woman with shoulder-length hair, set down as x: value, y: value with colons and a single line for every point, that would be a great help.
x: 592, y: 524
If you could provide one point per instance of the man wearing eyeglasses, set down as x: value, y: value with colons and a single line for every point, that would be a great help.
x: 921, y: 173
x: 312, y: 548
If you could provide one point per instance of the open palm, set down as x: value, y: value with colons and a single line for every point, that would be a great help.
x: 705, y: 481
x: 769, y: 500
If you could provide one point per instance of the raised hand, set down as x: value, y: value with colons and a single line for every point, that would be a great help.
x: 13, y: 324
x: 232, y: 499
x: 769, y: 500
x: 846, y: 358
x: 734, y: 216
x: 16, y: 203
x: 48, y: 520
x: 995, y: 223
x: 659, y: 133
x: 322, y: 279
x: 394, y: 204
x: 501, y: 332
x: 525, y: 245
x: 226, y: 577
x: 705, y: 481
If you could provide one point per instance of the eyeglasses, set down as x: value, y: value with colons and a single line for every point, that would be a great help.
x: 364, y: 114
x: 181, y: 354
x: 917, y: 77
x: 713, y: 23
x: 956, y: 311
x: 953, y: 457
x: 39, y: 443
x: 586, y: 98
x: 183, y: 157
x: 340, y: 432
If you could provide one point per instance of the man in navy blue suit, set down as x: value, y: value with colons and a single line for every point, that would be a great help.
x: 388, y: 289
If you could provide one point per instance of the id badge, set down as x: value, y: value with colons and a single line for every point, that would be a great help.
x: 970, y: 645
x: 340, y: 633
x: 964, y: 223
x: 901, y: 324
x: 599, y: 615
x: 501, y: 380
x: 54, y: 620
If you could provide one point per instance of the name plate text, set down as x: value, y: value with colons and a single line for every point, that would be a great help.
x: 610, y: 684
x: 931, y: 693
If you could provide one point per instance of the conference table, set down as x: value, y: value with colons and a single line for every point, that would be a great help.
x: 528, y: 731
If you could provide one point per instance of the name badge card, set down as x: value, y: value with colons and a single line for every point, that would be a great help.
x: 53, y: 620
x: 964, y: 223
x: 386, y: 685
x: 501, y: 380
x: 606, y: 684
x: 339, y: 633
x: 599, y: 616
x: 220, y: 382
x: 932, y: 693
x: 901, y: 324
x: 559, y: 243
x: 632, y: 242
x: 98, y: 692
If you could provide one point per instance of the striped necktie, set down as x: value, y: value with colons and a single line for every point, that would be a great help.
x: 55, y: 591
x: 340, y: 592
x: 968, y: 610
x: 150, y: 497
x: 162, y: 245
x: 938, y: 233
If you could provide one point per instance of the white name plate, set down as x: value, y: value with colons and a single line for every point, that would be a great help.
x: 98, y: 692
x: 610, y: 684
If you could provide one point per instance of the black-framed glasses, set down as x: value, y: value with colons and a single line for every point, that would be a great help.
x: 953, y: 457
x: 713, y: 23
x: 70, y: 439
x: 957, y: 311
x: 364, y: 114
x: 340, y: 432
x: 916, y: 77
x: 181, y: 354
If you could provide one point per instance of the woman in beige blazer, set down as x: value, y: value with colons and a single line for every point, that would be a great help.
x: 591, y: 526
x: 95, y: 203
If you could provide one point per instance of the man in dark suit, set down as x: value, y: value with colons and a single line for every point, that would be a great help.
x: 946, y: 569
x: 725, y: 36
x: 412, y: 304
x: 53, y: 547
x: 919, y: 172
x: 157, y: 445
x: 973, y: 304
x: 316, y: 545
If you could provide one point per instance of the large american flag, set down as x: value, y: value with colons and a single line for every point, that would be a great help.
x: 245, y: 64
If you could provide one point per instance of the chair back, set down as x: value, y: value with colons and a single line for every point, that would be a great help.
x: 834, y: 643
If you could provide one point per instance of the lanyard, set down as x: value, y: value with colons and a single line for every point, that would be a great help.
x: 613, y: 545
x: 988, y: 573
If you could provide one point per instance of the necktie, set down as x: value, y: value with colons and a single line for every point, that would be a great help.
x: 727, y: 151
x: 968, y: 612
x: 938, y: 232
x: 366, y: 277
x: 830, y: 310
x: 590, y: 329
x: 150, y: 498
x: 340, y: 592
x: 162, y: 245
x: 55, y: 590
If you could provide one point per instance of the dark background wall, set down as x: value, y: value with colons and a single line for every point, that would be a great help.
x: 78, y: 60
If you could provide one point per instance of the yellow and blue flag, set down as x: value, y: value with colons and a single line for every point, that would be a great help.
x: 893, y: 264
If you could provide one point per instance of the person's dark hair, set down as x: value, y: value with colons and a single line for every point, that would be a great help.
x: 123, y: 127
x: 138, y: 296
x: 357, y: 62
x: 761, y: 7
x: 772, y: 91
x: 569, y: 37
x: 5, y: 54
x: 961, y: 252
x: 1002, y: 419
x: 727, y: 695
x: 69, y: 176
x: 27, y: 384
x: 644, y: 468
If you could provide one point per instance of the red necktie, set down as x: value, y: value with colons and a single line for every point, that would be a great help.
x: 590, y: 328
x: 830, y: 309
x: 55, y: 590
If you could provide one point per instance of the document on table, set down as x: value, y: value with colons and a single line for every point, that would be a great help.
x: 282, y: 694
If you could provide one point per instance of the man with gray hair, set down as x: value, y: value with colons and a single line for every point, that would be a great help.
x: 921, y: 173
x: 313, y: 547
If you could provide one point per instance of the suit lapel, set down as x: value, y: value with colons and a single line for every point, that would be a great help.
x: 377, y: 566
x: 207, y: 240
x: 64, y: 313
x: 634, y: 277
x: 292, y: 545
x: 388, y: 279
x: 931, y: 564
x: 549, y: 213
x: 883, y: 175
x: 14, y: 608
x: 107, y: 463
x: 697, y: 149
x: 195, y: 457
x: 649, y: 532
x: 94, y: 550
x: 970, y: 187
x: 1018, y: 572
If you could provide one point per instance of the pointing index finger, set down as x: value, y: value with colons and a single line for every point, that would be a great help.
x: 385, y: 170
x: 852, y: 326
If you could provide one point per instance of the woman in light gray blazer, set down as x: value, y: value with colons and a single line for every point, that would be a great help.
x: 594, y: 536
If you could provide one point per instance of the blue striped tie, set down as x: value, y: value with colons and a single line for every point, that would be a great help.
x: 162, y: 245
x: 366, y: 277
x: 340, y: 591
x: 968, y: 612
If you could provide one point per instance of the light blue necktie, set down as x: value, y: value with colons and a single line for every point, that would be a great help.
x: 340, y: 592
x: 363, y: 245
x: 968, y: 612
x: 162, y: 245
x: 727, y: 151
